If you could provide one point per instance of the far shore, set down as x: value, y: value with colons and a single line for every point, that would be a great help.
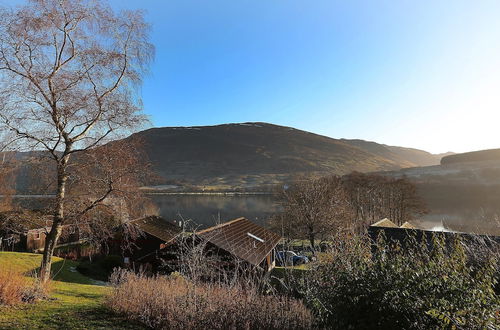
x: 215, y: 193
x: 184, y: 193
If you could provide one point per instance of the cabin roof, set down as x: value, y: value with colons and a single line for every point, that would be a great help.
x: 243, y: 239
x: 157, y: 227
x: 408, y: 225
x: 385, y: 223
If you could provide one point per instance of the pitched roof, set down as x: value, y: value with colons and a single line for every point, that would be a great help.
x: 243, y: 239
x: 158, y: 227
x: 385, y: 223
x: 408, y: 225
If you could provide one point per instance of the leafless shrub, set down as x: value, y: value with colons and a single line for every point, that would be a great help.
x: 176, y: 303
x: 37, y: 291
x: 15, y: 288
x: 12, y: 286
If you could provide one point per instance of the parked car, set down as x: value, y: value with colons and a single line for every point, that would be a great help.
x: 290, y: 258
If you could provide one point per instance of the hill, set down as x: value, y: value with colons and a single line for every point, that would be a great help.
x: 256, y: 154
x: 405, y: 156
x: 248, y: 156
x: 463, y: 192
x: 491, y: 155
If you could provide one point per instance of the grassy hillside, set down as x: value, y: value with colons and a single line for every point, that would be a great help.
x: 76, y: 304
x: 247, y: 156
x: 256, y: 154
x: 491, y: 155
x: 463, y: 192
x: 405, y: 157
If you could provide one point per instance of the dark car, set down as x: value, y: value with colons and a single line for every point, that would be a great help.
x: 290, y: 258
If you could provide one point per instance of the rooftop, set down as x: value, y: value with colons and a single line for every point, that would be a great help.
x: 157, y: 227
x: 385, y: 223
x: 243, y: 239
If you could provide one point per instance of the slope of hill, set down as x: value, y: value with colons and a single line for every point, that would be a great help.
x: 256, y: 154
x: 491, y: 155
x: 406, y: 157
x: 463, y: 192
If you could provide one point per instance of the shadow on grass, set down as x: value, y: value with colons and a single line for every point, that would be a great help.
x: 63, y: 271
x: 72, y: 316
x: 81, y: 295
x: 103, y: 316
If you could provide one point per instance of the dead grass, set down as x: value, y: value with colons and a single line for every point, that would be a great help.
x: 12, y: 287
x: 16, y: 288
x: 175, y: 303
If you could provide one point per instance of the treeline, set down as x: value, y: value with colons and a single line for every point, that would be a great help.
x: 373, y: 197
x: 314, y: 209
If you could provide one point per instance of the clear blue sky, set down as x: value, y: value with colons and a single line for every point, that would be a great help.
x: 422, y: 74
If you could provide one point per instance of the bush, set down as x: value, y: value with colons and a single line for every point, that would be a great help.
x: 101, y: 268
x: 416, y: 287
x: 109, y: 263
x: 12, y: 287
x: 15, y: 288
x: 175, y: 303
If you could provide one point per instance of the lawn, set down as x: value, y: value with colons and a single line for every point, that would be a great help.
x: 76, y: 301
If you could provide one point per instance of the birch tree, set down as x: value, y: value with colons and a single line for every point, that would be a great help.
x: 313, y: 209
x: 69, y: 77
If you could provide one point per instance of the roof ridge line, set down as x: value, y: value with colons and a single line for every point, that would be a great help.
x: 220, y: 225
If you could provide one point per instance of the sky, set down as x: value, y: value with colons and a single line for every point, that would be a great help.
x: 422, y: 74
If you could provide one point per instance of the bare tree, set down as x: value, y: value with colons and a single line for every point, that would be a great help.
x: 313, y: 209
x: 374, y: 197
x: 69, y: 72
x: 8, y: 173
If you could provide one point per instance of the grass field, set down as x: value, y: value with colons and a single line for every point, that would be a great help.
x: 76, y: 302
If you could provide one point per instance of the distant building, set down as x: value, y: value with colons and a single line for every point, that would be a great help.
x: 33, y: 241
x: 149, y: 235
x: 386, y: 223
x: 393, y: 233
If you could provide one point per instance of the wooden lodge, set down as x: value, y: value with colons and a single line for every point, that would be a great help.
x: 150, y: 235
x: 33, y: 240
x: 238, y: 244
x: 244, y: 240
x: 409, y: 234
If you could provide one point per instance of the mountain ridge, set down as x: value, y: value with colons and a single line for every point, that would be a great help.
x: 254, y: 153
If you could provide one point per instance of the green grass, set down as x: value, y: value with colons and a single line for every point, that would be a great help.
x: 76, y: 302
x: 282, y: 276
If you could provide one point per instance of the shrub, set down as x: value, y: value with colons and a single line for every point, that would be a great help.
x: 109, y: 263
x: 416, y: 287
x: 175, y: 303
x: 101, y: 268
x: 12, y: 287
x: 16, y: 288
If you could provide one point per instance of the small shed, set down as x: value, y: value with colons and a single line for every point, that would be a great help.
x: 408, y: 234
x: 386, y: 223
x: 408, y: 225
x: 154, y: 233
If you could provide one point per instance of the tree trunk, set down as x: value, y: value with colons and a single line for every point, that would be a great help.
x: 311, y: 240
x: 56, y: 229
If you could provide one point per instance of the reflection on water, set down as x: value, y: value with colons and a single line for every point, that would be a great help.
x: 208, y: 210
